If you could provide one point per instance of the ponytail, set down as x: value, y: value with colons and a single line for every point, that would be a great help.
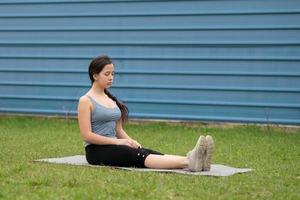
x: 121, y: 105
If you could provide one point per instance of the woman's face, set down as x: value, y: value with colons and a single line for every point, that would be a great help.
x: 105, y: 78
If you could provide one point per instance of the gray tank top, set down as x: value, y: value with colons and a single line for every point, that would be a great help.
x: 103, y: 119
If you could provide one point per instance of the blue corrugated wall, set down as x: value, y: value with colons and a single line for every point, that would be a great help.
x: 225, y: 60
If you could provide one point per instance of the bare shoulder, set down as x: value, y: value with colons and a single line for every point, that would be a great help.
x: 84, y: 110
x: 84, y: 101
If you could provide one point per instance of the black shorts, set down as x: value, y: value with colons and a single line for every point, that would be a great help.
x: 117, y: 155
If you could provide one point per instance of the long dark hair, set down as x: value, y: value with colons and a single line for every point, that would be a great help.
x: 96, y: 66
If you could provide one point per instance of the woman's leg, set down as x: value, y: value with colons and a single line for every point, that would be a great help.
x: 194, y: 161
x: 115, y: 155
x: 166, y: 161
x: 198, y: 159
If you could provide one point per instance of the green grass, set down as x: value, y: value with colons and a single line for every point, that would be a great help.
x: 273, y: 152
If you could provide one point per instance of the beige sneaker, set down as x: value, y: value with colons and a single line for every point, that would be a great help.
x: 196, y: 155
x: 208, y: 153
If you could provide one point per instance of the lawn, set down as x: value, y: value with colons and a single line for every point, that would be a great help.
x: 272, y: 151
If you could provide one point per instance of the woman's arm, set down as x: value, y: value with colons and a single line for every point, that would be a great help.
x: 121, y: 134
x: 84, y: 121
x: 120, y: 131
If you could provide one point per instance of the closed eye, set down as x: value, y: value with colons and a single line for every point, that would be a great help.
x: 107, y: 74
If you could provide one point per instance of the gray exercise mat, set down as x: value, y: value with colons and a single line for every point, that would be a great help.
x: 216, y: 169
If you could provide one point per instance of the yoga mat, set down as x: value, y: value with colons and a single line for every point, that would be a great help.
x: 216, y: 169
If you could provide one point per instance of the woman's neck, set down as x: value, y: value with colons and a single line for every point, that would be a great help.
x: 97, y: 90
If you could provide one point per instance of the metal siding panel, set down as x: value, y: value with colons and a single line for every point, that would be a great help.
x: 226, y: 52
x: 190, y: 60
x: 157, y: 22
x: 138, y: 7
x: 192, y: 37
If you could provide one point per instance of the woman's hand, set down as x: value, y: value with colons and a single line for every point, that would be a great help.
x: 136, y: 144
x: 129, y: 142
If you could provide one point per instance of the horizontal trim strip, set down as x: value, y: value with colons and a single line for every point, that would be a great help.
x: 43, y: 84
x: 154, y: 101
x: 212, y: 103
x: 39, y: 97
x: 295, y: 58
x: 79, y: 1
x: 83, y: 15
x: 209, y: 73
x: 154, y: 43
x: 156, y: 73
x: 37, y: 111
x: 215, y: 118
x: 151, y: 29
x: 209, y: 88
x: 160, y: 116
x: 169, y: 87
x: 43, y: 70
x: 157, y: 116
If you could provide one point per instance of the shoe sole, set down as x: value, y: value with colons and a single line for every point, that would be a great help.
x: 209, y: 153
